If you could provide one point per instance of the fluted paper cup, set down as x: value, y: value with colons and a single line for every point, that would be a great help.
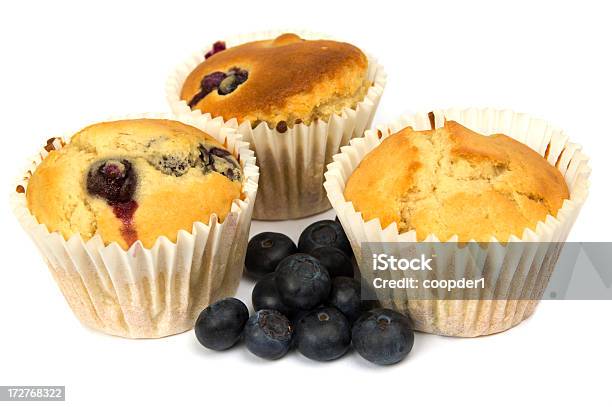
x: 519, y: 272
x: 292, y: 163
x: 149, y: 292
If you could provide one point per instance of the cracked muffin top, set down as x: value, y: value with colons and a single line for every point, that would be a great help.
x: 282, y: 81
x: 453, y: 181
x: 134, y: 180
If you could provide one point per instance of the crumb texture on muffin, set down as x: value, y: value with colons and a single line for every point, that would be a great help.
x: 453, y: 181
x: 134, y: 180
x: 285, y: 80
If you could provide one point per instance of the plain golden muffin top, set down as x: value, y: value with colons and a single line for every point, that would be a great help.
x: 453, y: 181
x: 288, y: 79
x: 134, y: 180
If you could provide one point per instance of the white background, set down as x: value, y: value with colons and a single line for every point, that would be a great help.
x: 65, y: 65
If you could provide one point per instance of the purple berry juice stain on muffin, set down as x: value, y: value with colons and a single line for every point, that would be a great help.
x: 114, y: 180
x: 124, y: 211
x: 224, y: 82
x: 217, y: 47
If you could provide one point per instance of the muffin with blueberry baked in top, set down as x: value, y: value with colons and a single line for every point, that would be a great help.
x: 282, y: 81
x: 134, y: 180
x: 142, y: 222
x: 296, y: 100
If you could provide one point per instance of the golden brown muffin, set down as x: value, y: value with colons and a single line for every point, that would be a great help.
x: 283, y: 80
x: 452, y: 180
x: 134, y: 180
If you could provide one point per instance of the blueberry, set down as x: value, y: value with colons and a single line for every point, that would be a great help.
x: 113, y: 180
x: 266, y: 296
x: 298, y: 314
x: 346, y: 296
x: 228, y: 85
x: 383, y: 336
x: 369, y: 300
x: 209, y: 83
x: 324, y: 233
x: 219, y: 152
x: 217, y: 47
x: 350, y: 254
x: 265, y: 251
x: 302, y: 281
x: 218, y: 160
x: 241, y: 74
x: 335, y: 261
x: 323, y: 334
x: 268, y: 334
x: 234, y: 78
x: 220, y: 325
x: 224, y: 82
x: 212, y: 81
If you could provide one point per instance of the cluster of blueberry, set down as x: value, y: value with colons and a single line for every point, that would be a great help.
x: 306, y: 297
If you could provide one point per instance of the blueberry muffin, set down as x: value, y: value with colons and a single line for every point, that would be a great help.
x: 281, y: 81
x: 453, y: 181
x: 132, y: 180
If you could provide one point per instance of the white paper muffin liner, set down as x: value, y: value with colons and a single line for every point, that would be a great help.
x: 150, y: 293
x: 517, y: 271
x: 291, y: 164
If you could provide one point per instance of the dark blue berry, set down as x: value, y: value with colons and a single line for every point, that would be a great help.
x: 241, y: 74
x: 350, y: 254
x: 383, y: 336
x: 298, y: 314
x: 209, y: 83
x: 323, y: 334
x: 212, y: 81
x: 266, y: 296
x: 324, y: 233
x: 369, y: 300
x: 224, y: 82
x: 219, y: 152
x: 235, y: 77
x: 265, y: 251
x: 346, y: 296
x: 335, y: 261
x: 268, y: 334
x: 221, y: 161
x: 302, y: 281
x: 113, y: 180
x: 220, y: 325
x: 217, y: 47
